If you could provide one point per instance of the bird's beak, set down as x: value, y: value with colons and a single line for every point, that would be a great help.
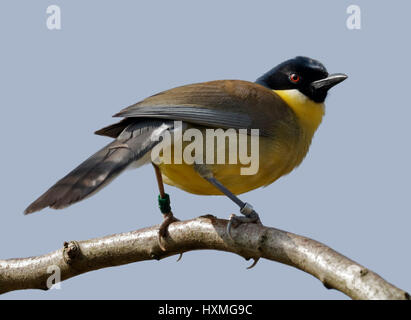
x: 329, y: 82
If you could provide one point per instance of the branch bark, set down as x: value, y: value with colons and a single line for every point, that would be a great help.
x: 207, y: 232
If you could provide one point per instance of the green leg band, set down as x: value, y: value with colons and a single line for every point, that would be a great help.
x: 164, y: 203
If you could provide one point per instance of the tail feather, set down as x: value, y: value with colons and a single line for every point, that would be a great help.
x: 100, y: 169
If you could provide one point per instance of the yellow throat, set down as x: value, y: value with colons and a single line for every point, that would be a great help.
x: 309, y: 113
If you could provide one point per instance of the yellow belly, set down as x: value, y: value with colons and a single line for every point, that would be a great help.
x: 276, y: 159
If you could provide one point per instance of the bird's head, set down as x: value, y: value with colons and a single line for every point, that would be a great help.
x: 307, y: 75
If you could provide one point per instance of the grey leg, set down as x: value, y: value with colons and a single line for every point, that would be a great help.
x: 250, y: 216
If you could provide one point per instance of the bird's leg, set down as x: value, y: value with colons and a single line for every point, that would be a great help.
x: 250, y: 216
x: 164, y: 204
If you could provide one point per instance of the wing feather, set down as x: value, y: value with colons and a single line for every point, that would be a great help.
x: 224, y: 103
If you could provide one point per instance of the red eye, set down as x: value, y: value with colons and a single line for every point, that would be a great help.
x: 294, y: 78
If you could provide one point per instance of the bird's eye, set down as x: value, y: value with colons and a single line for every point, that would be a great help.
x: 295, y: 78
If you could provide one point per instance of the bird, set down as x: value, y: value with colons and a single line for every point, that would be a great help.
x: 286, y: 106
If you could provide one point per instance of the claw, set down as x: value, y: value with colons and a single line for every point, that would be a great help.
x: 179, y: 257
x: 162, y: 247
x: 229, y: 226
x: 235, y: 221
x: 163, y: 231
x: 254, y: 263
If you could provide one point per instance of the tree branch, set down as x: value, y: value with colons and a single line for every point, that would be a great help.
x: 251, y: 241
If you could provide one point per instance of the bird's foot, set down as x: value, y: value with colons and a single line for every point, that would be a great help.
x: 163, y: 230
x: 250, y: 216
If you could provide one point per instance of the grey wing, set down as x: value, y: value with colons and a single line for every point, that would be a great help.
x: 192, y: 114
x: 218, y: 104
x: 215, y: 104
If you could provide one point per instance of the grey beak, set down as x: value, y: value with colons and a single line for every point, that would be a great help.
x: 329, y: 82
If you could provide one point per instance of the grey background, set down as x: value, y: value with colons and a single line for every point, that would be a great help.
x: 57, y: 87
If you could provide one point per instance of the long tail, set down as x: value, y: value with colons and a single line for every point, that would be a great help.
x: 102, y: 167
